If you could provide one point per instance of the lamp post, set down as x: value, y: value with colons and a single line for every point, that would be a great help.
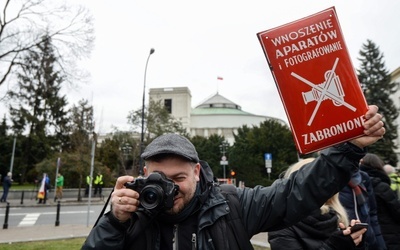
x: 142, y: 133
x: 126, y: 150
x: 224, y: 162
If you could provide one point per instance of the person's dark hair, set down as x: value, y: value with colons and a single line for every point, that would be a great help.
x: 371, y: 160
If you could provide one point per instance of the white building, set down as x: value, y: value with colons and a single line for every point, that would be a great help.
x: 216, y: 115
x: 395, y: 75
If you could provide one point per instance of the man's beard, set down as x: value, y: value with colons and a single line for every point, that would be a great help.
x: 171, y: 211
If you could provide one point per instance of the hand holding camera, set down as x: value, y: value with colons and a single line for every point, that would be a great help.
x: 151, y: 194
x: 156, y: 192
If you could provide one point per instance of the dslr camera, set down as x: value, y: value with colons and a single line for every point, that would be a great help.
x: 156, y: 191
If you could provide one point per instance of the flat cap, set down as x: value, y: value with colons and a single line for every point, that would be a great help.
x: 171, y: 144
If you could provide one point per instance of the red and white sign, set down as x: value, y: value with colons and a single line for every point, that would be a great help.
x: 316, y: 80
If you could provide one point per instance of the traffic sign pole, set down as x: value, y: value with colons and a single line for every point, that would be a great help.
x: 268, y: 163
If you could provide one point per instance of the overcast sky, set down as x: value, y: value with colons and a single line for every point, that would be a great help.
x: 197, y: 41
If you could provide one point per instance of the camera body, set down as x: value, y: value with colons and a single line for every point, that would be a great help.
x: 156, y: 191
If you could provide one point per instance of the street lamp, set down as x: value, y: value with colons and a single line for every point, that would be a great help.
x: 223, y: 147
x: 142, y: 133
x: 126, y: 149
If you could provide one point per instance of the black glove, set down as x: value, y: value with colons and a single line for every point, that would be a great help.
x: 340, y: 241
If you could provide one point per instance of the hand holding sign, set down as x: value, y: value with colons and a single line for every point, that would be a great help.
x: 373, y: 128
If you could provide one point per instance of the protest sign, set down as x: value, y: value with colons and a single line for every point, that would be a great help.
x: 316, y: 80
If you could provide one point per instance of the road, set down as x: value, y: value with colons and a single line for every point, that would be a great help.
x: 47, y: 215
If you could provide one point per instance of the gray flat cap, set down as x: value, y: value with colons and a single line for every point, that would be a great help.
x: 171, y: 144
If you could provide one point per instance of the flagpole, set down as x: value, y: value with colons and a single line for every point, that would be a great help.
x: 219, y: 78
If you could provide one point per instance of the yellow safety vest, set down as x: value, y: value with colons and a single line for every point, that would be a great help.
x: 98, y: 180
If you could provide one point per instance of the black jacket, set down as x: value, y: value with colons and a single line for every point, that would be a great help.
x: 313, y: 232
x: 263, y: 209
x: 388, y: 207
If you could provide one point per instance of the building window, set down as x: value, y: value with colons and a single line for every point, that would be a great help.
x: 168, y: 105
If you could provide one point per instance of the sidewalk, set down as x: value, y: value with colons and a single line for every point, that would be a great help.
x: 51, y: 232
x: 45, y: 232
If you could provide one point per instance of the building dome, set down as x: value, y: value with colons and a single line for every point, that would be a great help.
x: 216, y: 115
x: 218, y: 105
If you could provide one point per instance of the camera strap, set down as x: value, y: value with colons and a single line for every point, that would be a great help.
x: 104, y: 208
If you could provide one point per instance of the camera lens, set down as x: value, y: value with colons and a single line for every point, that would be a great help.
x: 151, y: 196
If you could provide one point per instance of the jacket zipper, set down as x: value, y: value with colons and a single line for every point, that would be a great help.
x: 175, y: 245
x: 194, y: 241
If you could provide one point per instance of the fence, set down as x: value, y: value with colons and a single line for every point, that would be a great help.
x: 68, y: 193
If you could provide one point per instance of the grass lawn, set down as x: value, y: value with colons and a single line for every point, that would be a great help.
x: 16, y: 186
x: 67, y: 244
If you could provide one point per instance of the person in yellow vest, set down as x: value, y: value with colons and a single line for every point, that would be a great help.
x: 88, y: 182
x: 394, y: 179
x: 98, y: 184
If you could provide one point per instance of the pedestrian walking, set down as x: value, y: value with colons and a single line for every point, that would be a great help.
x: 43, y: 189
x: 59, y: 186
x: 7, y: 183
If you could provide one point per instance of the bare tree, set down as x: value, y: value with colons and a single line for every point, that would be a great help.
x: 23, y: 24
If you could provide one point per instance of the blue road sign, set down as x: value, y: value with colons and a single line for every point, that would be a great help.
x: 268, y: 156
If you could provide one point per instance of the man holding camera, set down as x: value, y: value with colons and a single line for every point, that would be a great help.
x: 178, y: 205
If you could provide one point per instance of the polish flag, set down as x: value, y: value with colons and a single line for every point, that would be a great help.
x: 220, y: 78
x: 42, y: 190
